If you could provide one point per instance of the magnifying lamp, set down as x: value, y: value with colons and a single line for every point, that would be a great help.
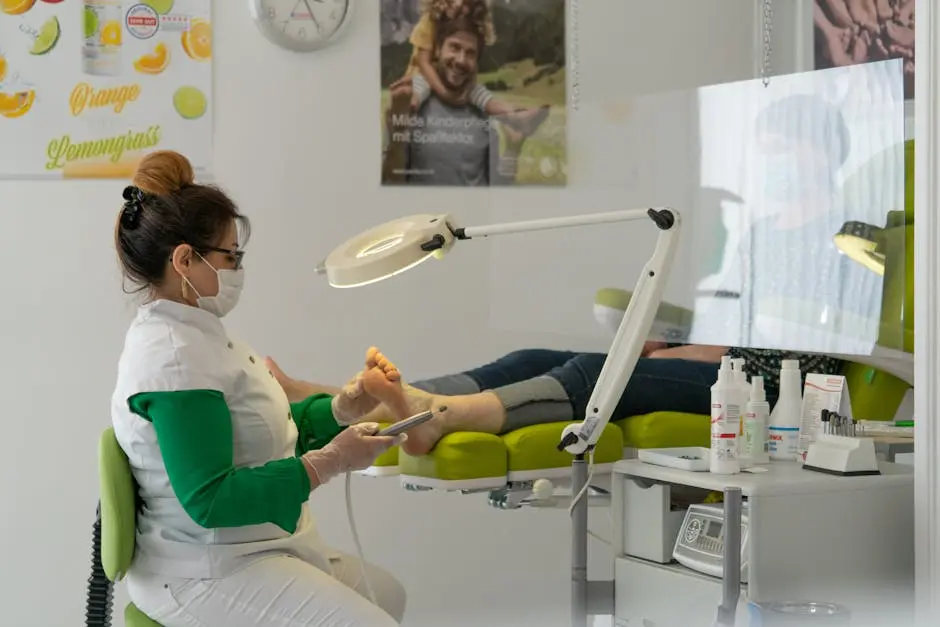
x: 401, y: 244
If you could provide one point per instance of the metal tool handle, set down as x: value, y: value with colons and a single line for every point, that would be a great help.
x: 731, y: 562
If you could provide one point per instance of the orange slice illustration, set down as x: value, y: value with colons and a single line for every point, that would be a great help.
x: 155, y: 62
x: 197, y: 40
x: 111, y: 34
x: 17, y: 104
x: 3, y: 69
x: 16, y: 7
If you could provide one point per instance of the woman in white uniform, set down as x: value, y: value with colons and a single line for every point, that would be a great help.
x: 224, y: 462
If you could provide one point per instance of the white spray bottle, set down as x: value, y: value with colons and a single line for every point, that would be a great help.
x: 725, y: 422
x: 755, y: 446
x: 785, y: 418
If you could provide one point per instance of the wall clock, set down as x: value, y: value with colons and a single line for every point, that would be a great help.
x: 301, y: 25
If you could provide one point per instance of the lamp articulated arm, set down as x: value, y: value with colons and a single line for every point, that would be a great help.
x: 628, y: 343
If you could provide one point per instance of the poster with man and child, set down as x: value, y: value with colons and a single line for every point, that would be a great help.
x: 473, y: 92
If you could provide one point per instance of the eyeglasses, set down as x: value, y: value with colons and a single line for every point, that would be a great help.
x: 238, y: 254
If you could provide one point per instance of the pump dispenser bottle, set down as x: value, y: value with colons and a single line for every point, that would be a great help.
x: 725, y: 422
x: 785, y: 418
x: 755, y: 446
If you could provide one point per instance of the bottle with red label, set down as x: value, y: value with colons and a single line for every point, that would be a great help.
x: 725, y: 422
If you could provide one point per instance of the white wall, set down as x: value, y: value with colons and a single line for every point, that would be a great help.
x: 297, y: 145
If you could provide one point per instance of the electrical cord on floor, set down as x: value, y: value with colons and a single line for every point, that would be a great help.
x: 100, y: 595
x: 355, y: 536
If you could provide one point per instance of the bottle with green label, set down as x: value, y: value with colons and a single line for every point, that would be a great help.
x: 104, y: 34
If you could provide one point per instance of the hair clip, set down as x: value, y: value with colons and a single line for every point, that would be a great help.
x: 133, y: 205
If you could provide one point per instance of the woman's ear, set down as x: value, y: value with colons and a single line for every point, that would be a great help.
x: 182, y: 259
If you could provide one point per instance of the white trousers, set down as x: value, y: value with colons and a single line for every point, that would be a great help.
x: 277, y: 591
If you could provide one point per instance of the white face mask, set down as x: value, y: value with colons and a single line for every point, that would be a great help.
x: 230, y: 289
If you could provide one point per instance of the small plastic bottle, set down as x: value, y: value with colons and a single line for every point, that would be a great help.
x: 755, y: 446
x: 725, y: 422
x: 744, y: 388
x: 785, y: 419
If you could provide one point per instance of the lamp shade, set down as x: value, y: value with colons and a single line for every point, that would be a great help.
x: 388, y: 249
x: 859, y: 241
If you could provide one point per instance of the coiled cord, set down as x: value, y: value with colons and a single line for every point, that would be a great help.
x: 100, y: 597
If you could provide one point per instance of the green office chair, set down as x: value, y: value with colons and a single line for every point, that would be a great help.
x: 114, y: 535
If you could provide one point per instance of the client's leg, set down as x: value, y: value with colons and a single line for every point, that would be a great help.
x: 467, y: 410
x: 513, y: 367
x: 562, y: 395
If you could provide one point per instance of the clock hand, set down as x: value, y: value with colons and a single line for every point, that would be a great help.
x: 292, y: 12
x: 312, y: 16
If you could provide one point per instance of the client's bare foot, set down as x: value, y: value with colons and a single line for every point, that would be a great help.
x: 402, y: 401
x: 382, y: 381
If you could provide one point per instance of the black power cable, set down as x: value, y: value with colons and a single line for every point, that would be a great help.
x: 100, y: 597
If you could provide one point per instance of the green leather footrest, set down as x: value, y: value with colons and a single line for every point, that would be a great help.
x: 535, y: 449
x: 464, y: 456
x: 480, y: 460
x: 666, y: 429
x: 471, y: 460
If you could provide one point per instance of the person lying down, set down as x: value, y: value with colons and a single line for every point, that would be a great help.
x: 537, y: 386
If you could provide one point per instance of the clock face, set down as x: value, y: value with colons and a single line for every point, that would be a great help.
x: 301, y: 25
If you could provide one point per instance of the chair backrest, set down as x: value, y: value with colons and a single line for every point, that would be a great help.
x: 118, y: 507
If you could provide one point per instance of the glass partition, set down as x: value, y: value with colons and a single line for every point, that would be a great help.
x: 788, y: 193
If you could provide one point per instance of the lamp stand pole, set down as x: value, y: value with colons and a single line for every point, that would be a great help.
x: 579, y: 544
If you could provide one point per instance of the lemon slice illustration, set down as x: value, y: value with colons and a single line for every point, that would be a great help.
x: 160, y: 6
x: 190, y: 103
x: 48, y: 36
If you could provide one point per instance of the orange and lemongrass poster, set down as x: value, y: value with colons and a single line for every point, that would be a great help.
x: 87, y: 87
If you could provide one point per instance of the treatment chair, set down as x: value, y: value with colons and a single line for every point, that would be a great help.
x: 508, y: 466
x: 115, y: 534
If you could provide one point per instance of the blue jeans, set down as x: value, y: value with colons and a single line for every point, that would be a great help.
x: 656, y: 385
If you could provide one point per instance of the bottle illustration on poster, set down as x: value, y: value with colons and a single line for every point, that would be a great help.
x: 90, y: 86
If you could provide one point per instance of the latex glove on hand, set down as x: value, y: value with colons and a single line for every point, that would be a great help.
x: 355, y: 448
x: 353, y: 403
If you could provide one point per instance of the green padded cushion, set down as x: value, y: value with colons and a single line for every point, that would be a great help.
x: 118, y: 507
x: 459, y: 456
x: 133, y: 617
x: 388, y: 458
x: 536, y: 447
x: 897, y: 300
x: 875, y: 395
x: 666, y: 429
x: 467, y: 456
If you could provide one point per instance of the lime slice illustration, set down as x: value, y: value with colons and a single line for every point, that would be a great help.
x: 190, y: 103
x: 160, y: 6
x: 48, y: 36
x: 91, y: 22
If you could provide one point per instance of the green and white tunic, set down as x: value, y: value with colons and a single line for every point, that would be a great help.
x: 213, y: 443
